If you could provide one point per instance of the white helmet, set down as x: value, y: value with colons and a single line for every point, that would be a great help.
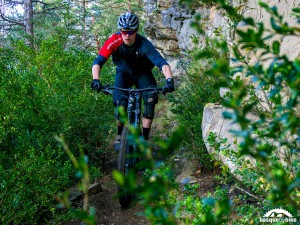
x: 128, y: 21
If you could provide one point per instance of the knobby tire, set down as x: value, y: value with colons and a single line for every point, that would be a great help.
x: 124, y: 195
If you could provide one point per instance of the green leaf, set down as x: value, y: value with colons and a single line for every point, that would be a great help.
x: 242, y: 33
x: 85, y: 216
x: 119, y: 177
x: 238, y: 69
x: 227, y: 115
x: 236, y: 53
x: 274, y: 10
x: 276, y: 47
x: 296, y: 64
x: 204, y: 54
x: 264, y: 5
x: 275, y: 26
x: 208, y: 201
x: 268, y: 37
x: 249, y: 45
x: 248, y: 107
x: 222, y: 207
x: 260, y: 30
x: 249, y: 21
x: 296, y: 10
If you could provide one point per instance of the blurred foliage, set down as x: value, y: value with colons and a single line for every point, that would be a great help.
x: 165, y: 201
x: 267, y: 89
x: 157, y: 181
x: 273, y: 137
x: 87, y: 214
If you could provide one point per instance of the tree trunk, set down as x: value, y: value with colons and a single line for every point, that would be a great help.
x: 2, y: 30
x: 84, y: 23
x: 96, y: 38
x: 28, y: 21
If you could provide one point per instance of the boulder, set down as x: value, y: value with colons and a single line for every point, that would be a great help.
x: 184, y: 169
x: 214, y: 122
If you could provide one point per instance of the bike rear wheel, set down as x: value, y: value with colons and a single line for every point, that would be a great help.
x: 124, y: 164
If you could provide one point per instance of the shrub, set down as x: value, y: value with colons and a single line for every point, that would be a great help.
x: 45, y: 93
x: 197, y: 89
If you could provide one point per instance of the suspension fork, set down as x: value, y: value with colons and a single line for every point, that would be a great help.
x: 134, y: 115
x: 137, y: 119
x: 134, y: 109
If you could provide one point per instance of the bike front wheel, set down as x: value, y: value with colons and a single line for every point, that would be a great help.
x: 124, y: 164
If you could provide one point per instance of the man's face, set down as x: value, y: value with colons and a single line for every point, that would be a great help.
x: 128, y: 36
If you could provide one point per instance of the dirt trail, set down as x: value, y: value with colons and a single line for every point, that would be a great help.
x: 108, y: 210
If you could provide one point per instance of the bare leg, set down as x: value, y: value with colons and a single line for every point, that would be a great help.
x: 117, y: 141
x: 147, y: 123
x: 119, y: 124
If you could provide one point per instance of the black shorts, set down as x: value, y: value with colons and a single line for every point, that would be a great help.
x: 128, y: 80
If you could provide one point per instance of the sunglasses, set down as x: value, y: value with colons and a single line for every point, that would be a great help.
x: 129, y: 32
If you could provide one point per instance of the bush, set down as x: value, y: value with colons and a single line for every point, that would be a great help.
x: 197, y: 89
x: 28, y: 187
x: 45, y: 93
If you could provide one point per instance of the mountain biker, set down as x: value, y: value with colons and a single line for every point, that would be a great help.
x: 134, y: 57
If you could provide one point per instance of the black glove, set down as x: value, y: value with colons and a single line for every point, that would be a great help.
x: 96, y: 85
x: 169, y: 86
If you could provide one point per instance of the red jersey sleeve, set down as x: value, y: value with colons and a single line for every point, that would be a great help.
x: 111, y: 45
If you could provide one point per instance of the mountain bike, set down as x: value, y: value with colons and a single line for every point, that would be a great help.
x: 127, y: 158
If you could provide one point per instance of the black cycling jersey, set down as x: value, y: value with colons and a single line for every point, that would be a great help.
x: 139, y: 58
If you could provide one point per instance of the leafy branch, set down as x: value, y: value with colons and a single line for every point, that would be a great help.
x: 87, y: 215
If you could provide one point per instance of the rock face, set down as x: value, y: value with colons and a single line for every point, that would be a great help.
x: 214, y: 122
x: 168, y: 27
x: 289, y: 46
x: 212, y: 115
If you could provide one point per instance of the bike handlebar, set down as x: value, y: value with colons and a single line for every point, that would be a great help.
x: 108, y: 89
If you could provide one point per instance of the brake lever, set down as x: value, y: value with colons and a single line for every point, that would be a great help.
x: 106, y: 90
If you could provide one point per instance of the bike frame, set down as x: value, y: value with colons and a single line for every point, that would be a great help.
x: 129, y: 148
x: 134, y: 109
x: 134, y: 117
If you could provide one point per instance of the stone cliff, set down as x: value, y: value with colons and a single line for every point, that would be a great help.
x: 168, y: 27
